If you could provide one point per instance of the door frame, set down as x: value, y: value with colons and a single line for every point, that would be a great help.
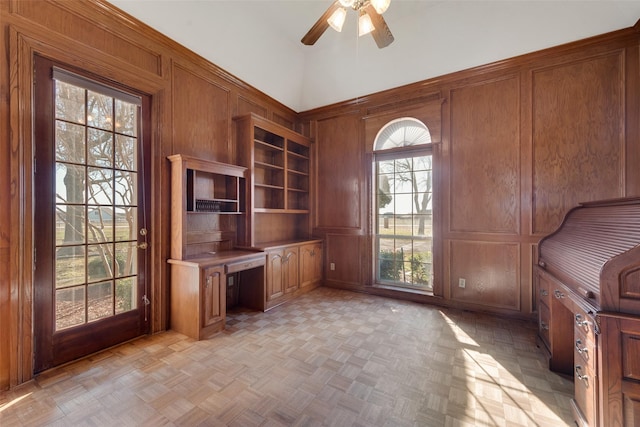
x: 22, y: 48
x: 53, y: 348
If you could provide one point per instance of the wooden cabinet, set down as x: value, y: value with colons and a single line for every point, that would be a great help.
x: 199, y: 289
x: 292, y: 269
x: 282, y: 271
x: 206, y: 199
x: 198, y: 299
x: 214, y: 299
x: 279, y: 192
x: 310, y: 264
x: 278, y: 201
x: 620, y: 369
x: 207, y: 203
x: 275, y: 282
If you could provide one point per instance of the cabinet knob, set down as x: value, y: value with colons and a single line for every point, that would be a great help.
x: 209, y: 281
x: 558, y: 294
x: 544, y: 292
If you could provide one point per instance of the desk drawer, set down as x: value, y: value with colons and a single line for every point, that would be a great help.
x: 244, y: 265
x: 584, y: 351
x: 586, y: 393
x: 544, y: 319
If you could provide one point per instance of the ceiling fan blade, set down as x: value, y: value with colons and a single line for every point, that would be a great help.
x: 381, y: 33
x: 320, y: 26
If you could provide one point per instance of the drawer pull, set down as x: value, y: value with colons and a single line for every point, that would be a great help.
x: 580, y: 322
x: 579, y: 349
x: 558, y: 294
x: 544, y: 292
x: 544, y: 326
x: 580, y: 376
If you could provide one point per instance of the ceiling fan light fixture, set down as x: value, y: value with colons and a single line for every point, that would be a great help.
x: 336, y: 20
x: 365, y: 26
x: 380, y: 6
x: 346, y: 3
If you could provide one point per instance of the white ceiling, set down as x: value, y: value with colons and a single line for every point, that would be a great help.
x: 258, y: 41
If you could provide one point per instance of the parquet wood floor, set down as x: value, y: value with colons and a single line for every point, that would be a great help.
x: 328, y: 358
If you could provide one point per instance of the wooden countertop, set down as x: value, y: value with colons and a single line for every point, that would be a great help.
x: 222, y: 257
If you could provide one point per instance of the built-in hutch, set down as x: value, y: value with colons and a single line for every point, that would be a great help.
x: 278, y: 201
x: 240, y: 235
x: 588, y: 287
x: 207, y: 198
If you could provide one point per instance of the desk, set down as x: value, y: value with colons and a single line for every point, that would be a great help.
x: 199, y: 286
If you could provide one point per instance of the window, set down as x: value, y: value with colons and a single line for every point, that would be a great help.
x: 96, y: 201
x: 404, y: 205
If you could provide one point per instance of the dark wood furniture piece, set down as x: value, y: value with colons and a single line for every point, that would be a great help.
x: 278, y: 202
x: 588, y: 285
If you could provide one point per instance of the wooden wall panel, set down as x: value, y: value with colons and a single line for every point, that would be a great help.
x: 200, y: 117
x: 491, y: 271
x: 5, y: 319
x: 288, y: 122
x: 485, y: 155
x: 578, y: 136
x: 61, y: 17
x: 344, y: 252
x: 246, y: 106
x: 339, y: 158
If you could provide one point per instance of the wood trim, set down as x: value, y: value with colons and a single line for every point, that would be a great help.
x: 21, y: 242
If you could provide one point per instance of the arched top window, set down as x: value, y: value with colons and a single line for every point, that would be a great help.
x: 403, y: 132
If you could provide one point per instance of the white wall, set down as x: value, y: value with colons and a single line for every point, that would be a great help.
x: 259, y: 40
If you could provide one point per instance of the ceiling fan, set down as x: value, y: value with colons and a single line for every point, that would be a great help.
x: 370, y: 20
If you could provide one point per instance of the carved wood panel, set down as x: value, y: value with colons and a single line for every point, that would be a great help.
x: 578, y: 136
x: 484, y: 157
x: 491, y: 272
x: 200, y: 117
x: 339, y: 173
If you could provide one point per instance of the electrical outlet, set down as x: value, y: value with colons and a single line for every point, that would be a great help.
x: 332, y: 266
x: 462, y: 283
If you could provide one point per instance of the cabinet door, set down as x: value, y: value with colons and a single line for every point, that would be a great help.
x: 290, y: 269
x: 310, y: 264
x: 213, y: 296
x: 275, y: 285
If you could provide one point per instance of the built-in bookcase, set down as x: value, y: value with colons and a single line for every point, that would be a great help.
x: 279, y: 161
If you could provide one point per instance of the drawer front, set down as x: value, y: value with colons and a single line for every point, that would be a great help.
x: 544, y: 318
x: 586, y: 393
x: 243, y: 265
x: 584, y: 351
x: 584, y: 323
x: 543, y: 290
